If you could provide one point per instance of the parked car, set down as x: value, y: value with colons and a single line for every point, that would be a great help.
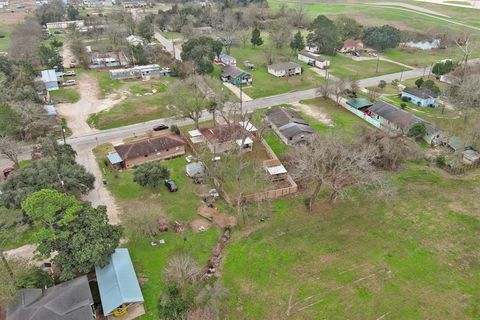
x: 160, y: 127
x: 171, y: 185
x: 69, y: 73
x: 69, y: 83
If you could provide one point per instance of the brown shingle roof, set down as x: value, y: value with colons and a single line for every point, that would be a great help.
x: 352, y: 43
x: 223, y: 133
x: 281, y: 116
x: 148, y: 146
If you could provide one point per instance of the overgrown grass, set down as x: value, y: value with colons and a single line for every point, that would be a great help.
x: 65, y: 95
x: 347, y: 68
x: 5, y: 40
x: 408, y: 256
x: 172, y: 35
x: 105, y: 84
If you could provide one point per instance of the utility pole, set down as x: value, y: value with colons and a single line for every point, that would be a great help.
x: 430, y: 71
x: 378, y: 61
x: 424, y: 71
x: 241, y: 94
x: 401, y: 75
x: 173, y: 48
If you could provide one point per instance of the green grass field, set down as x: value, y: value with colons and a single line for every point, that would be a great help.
x: 106, y: 85
x: 364, y: 258
x: 172, y: 35
x: 65, y: 95
x: 347, y: 68
x: 5, y: 40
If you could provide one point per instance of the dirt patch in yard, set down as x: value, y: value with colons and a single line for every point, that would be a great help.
x: 214, y: 215
x: 200, y: 225
x: 314, y: 112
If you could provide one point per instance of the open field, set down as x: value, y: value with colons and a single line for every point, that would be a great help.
x: 133, y: 199
x: 140, y: 105
x: 425, y: 58
x: 344, y: 67
x: 65, y: 95
x: 5, y: 40
x: 409, y: 257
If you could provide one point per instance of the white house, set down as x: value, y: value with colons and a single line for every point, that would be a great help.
x: 64, y: 24
x: 313, y: 60
x: 227, y: 60
x: 352, y: 45
x: 312, y: 48
x: 134, y: 40
x: 422, y: 97
x: 284, y: 69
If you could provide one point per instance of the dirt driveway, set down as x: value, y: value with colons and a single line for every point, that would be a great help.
x: 313, y: 112
x: 77, y: 113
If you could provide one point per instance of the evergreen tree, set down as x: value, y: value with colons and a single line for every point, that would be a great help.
x: 256, y: 38
x: 298, y: 43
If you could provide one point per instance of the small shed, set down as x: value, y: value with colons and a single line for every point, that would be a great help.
x: 49, y: 78
x: 195, y: 169
x: 470, y: 156
x: 114, y: 160
x: 359, y: 103
x: 196, y: 136
x: 118, y: 285
x: 51, y: 110
x: 246, y: 144
x: 275, y: 169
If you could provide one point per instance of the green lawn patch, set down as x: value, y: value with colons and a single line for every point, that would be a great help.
x: 106, y: 84
x: 65, y: 95
x: 5, y: 40
x: 364, y: 257
x: 172, y: 35
x: 347, y: 68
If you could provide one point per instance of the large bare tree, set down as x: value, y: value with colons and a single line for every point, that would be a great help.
x: 10, y: 148
x: 333, y: 163
x: 465, y: 41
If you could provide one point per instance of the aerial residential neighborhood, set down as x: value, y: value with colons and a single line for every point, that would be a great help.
x: 241, y: 159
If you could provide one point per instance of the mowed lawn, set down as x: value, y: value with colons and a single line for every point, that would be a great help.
x: 132, y: 199
x: 413, y: 256
x: 142, y: 104
x: 265, y: 84
x: 344, y: 67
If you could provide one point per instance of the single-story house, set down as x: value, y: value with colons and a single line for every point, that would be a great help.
x: 195, y: 170
x: 311, y: 48
x: 149, y: 149
x: 395, y: 118
x: 235, y: 76
x: 135, y: 40
x: 289, y: 126
x: 139, y: 72
x: 313, y: 60
x: 108, y: 59
x: 50, y: 79
x: 359, y: 103
x: 422, y: 97
x: 284, y: 69
x: 70, y: 300
x: 352, y: 45
x: 202, y: 30
x: 223, y: 138
x: 118, y: 286
x: 470, y: 156
x: 457, y: 144
x: 227, y: 60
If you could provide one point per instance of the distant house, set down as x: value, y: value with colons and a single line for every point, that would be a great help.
x: 352, y: 45
x: 118, y: 286
x: 470, y: 156
x: 223, y: 138
x: 227, y: 60
x: 139, y: 72
x: 422, y: 97
x: 312, y: 49
x: 149, y: 149
x: 235, y: 76
x: 202, y: 30
x: 195, y: 136
x: 313, y: 60
x: 135, y: 40
x: 394, y: 118
x: 50, y: 79
x: 70, y: 300
x: 64, y: 24
x: 285, y: 69
x: 249, y: 65
x: 107, y: 59
x: 289, y: 126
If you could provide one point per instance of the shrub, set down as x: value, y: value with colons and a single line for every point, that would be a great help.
x: 151, y: 174
x: 419, y: 103
x: 395, y: 83
x: 418, y: 130
x: 440, y: 161
x: 174, y: 128
x: 403, y: 105
x: 405, y: 99
x: 419, y: 82
x: 382, y: 84
x: 306, y: 201
x: 34, y: 278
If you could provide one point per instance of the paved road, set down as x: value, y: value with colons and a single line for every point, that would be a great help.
x: 169, y: 46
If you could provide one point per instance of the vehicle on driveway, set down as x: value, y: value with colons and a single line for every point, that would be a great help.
x: 160, y: 127
x: 69, y: 83
x: 171, y: 185
x: 69, y: 73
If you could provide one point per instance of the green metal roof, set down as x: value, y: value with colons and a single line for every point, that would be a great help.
x: 359, y: 103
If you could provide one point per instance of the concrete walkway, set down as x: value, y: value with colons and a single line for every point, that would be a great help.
x: 236, y: 91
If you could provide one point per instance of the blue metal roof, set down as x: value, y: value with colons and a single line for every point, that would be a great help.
x: 114, y: 158
x: 51, y: 110
x: 117, y: 282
